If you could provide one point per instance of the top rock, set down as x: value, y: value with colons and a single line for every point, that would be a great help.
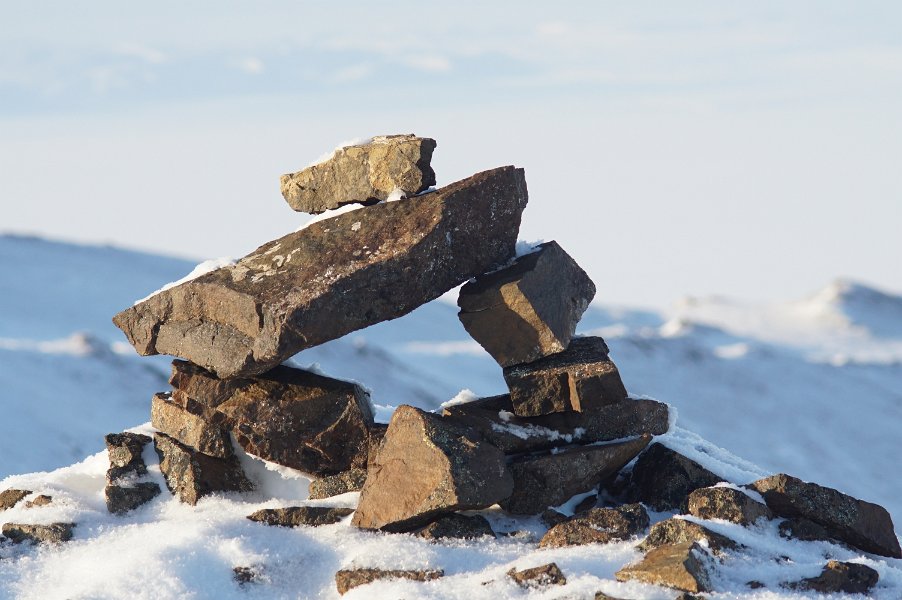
x: 365, y: 173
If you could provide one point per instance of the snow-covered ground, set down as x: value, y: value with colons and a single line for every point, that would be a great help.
x: 810, y: 387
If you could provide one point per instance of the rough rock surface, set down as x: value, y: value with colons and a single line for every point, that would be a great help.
x: 542, y: 576
x: 728, y: 504
x: 346, y: 580
x: 54, y: 533
x: 295, y: 516
x: 803, y: 529
x: 676, y: 531
x: 528, y: 310
x: 860, y: 524
x: 121, y: 499
x: 11, y: 497
x: 188, y: 428
x: 351, y: 480
x: 428, y: 466
x: 581, y: 378
x: 38, y: 501
x: 333, y: 277
x: 515, y: 435
x: 458, y: 527
x: 363, y: 173
x: 552, y: 517
x: 288, y: 416
x: 841, y: 577
x: 124, y: 450
x: 663, y: 478
x: 598, y: 526
x: 191, y: 475
x: 551, y: 479
x: 680, y: 566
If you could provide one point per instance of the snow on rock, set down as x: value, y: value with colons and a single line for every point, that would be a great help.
x: 201, y: 269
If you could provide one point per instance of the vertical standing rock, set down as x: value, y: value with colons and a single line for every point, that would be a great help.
x: 124, y: 490
x: 683, y: 566
x: 191, y: 475
x: 188, y: 428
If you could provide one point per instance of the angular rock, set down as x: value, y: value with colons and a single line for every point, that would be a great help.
x: 42, y: 500
x: 841, y: 577
x: 363, y: 173
x: 351, y: 480
x: 681, y: 566
x: 457, y: 526
x: 288, y: 416
x: 552, y: 479
x: 190, y: 429
x: 598, y: 526
x: 493, y: 417
x: 346, y: 580
x: 528, y: 310
x: 191, y: 475
x: 663, y: 478
x: 295, y: 516
x: 861, y: 524
x: 377, y: 434
x: 54, y: 533
x: 122, y: 499
x: 581, y: 378
x: 428, y: 466
x: 803, y: 529
x: 124, y: 450
x: 728, y: 504
x: 676, y: 531
x: 542, y: 576
x: 333, y: 277
x: 11, y: 497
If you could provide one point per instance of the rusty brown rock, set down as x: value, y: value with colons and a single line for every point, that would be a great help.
x: 11, y: 497
x: 681, y: 566
x: 728, y: 504
x: 663, y: 478
x: 54, y: 533
x: 537, y: 577
x: 348, y: 579
x: 188, y: 428
x: 295, y: 516
x: 333, y: 277
x: 598, y: 526
x: 841, y: 577
x: 676, y: 531
x: 191, y: 475
x: 362, y: 173
x: 582, y: 378
x: 457, y: 526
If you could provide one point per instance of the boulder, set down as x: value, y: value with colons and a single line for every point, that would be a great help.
x: 861, y: 524
x: 598, y: 526
x: 804, y: 530
x: 351, y: 480
x: 333, y: 277
x: 121, y: 499
x: 428, y: 466
x: 54, y: 533
x: 493, y: 417
x: 552, y: 479
x: 581, y: 378
x: 124, y: 451
x: 663, y: 478
x: 363, y: 173
x: 528, y: 310
x: 728, y: 504
x: 289, y: 416
x: 841, y: 577
x: 188, y: 428
x: 295, y: 516
x: 677, y: 531
x: 537, y: 577
x: 348, y: 579
x: 11, y: 497
x: 682, y: 566
x: 457, y: 526
x: 38, y: 501
x: 191, y: 475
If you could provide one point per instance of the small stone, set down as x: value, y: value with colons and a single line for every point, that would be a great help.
x: 351, y: 480
x: 841, y: 577
x: 243, y: 575
x: 363, y: 173
x: 581, y: 378
x: 346, y: 580
x: 598, y: 526
x: 535, y: 577
x: 680, y: 566
x: 191, y: 475
x: 528, y: 310
x: 803, y: 529
x: 428, y: 466
x: 42, y: 500
x: 54, y: 533
x: 188, y: 428
x: 295, y: 516
x: 124, y: 450
x: 663, y: 478
x: 676, y: 531
x: 122, y: 499
x: 861, y: 524
x: 728, y: 504
x: 552, y: 479
x: 11, y: 497
x: 457, y: 526
x: 755, y: 584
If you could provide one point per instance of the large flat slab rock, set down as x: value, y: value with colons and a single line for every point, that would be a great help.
x: 581, y: 378
x: 295, y: 516
x: 663, y: 478
x: 364, y: 173
x: 426, y: 467
x: 528, y: 310
x: 683, y: 566
x: 54, y: 533
x: 861, y: 524
x: 191, y: 475
x: 289, y: 416
x: 333, y: 277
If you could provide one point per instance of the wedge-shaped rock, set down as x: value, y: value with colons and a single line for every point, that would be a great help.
x: 191, y: 475
x: 861, y: 524
x: 681, y: 566
x: 663, y: 478
x: 288, y: 416
x: 333, y: 277
x: 428, y: 466
x: 295, y: 516
x: 841, y: 577
x: 676, y: 531
x: 581, y: 378
x: 54, y: 533
x: 121, y: 499
x: 728, y: 504
x: 456, y: 526
x: 529, y: 309
x: 188, y: 428
x: 11, y: 497
x: 493, y: 417
x: 598, y: 526
x: 365, y: 173
x: 552, y: 479
x: 348, y: 579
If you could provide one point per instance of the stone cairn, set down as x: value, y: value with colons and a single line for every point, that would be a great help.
x: 566, y: 427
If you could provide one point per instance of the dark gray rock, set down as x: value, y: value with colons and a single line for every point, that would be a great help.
x: 538, y: 577
x: 191, y: 475
x: 598, y: 526
x: 457, y: 526
x: 124, y: 450
x: 663, y: 478
x: 728, y: 504
x: 348, y: 579
x: 122, y: 499
x: 363, y: 173
x: 676, y: 531
x: 54, y: 533
x: 681, y: 566
x: 351, y: 480
x: 295, y: 516
x: 333, y: 277
x: 841, y: 577
x: 11, y: 497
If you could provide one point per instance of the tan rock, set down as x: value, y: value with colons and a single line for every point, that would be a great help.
x: 681, y: 566
x: 188, y: 428
x: 348, y: 579
x: 191, y: 475
x: 728, y: 504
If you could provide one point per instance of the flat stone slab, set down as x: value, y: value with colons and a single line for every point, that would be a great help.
x: 54, y: 533
x: 295, y: 516
x: 191, y: 475
x: 682, y: 566
x: 676, y: 531
x: 363, y: 173
x: 348, y: 579
x: 528, y: 310
x: 333, y: 277
x: 581, y: 378
x: 191, y: 429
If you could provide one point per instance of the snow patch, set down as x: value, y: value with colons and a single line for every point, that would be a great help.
x: 463, y: 396
x: 202, y: 269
